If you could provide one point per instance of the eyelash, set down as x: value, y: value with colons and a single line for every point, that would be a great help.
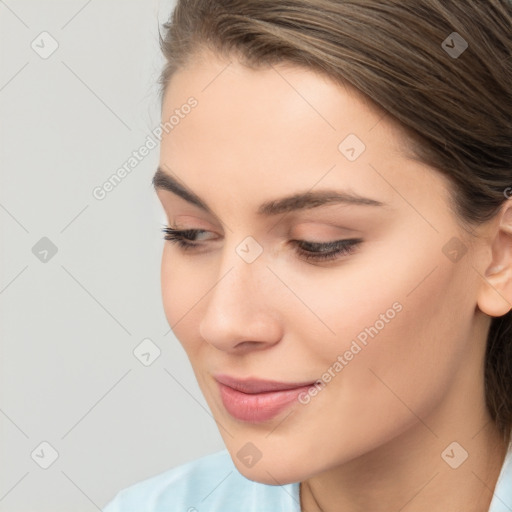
x: 326, y: 251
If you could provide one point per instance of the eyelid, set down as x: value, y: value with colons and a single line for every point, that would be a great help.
x: 327, y: 252
x: 345, y: 233
x: 330, y: 229
x: 189, y: 221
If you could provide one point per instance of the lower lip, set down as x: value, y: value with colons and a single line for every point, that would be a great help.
x: 258, y: 407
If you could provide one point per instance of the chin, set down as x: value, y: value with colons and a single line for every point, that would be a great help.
x: 275, y: 476
x: 274, y: 470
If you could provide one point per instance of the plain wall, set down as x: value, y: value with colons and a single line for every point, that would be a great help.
x: 69, y: 324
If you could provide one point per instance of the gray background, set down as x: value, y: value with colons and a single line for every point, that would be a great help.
x: 69, y: 324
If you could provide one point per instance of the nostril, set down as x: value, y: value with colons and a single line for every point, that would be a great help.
x: 250, y: 345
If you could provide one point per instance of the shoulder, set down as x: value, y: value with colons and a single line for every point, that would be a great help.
x: 502, y: 499
x: 209, y: 483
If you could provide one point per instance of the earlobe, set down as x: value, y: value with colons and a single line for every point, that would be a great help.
x: 495, y: 295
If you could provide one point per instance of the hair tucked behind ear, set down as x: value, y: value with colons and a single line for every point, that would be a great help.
x: 456, y: 110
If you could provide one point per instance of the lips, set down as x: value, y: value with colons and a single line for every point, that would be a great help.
x: 256, y: 400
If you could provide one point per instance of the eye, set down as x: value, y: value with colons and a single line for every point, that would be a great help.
x: 184, y: 238
x: 326, y: 251
x: 317, y: 251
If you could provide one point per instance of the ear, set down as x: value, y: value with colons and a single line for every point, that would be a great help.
x: 495, y: 295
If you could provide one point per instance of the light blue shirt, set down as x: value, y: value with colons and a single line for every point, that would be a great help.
x: 213, y: 484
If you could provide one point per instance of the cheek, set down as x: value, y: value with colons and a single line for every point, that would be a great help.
x: 407, y: 364
x: 181, y: 291
x: 409, y: 353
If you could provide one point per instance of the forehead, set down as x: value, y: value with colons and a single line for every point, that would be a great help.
x: 269, y: 130
x: 269, y: 96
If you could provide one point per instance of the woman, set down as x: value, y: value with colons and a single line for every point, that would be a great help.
x: 338, y: 267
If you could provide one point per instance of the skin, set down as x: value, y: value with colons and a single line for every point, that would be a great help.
x: 372, y: 439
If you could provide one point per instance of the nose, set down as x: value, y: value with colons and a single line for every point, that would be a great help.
x: 240, y: 314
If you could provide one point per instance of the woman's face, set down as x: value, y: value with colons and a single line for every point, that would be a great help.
x: 387, y: 329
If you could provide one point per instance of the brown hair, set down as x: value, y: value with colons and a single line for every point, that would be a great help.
x: 455, y: 108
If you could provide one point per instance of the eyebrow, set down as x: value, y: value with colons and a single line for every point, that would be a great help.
x: 299, y: 201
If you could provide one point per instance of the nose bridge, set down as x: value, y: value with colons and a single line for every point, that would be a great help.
x: 238, y: 306
x: 235, y: 290
x: 242, y: 267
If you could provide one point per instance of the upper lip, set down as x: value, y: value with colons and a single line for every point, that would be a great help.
x: 252, y: 386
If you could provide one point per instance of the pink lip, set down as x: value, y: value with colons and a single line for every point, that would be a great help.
x: 255, y: 400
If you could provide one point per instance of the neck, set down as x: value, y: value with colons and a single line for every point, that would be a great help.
x: 412, y: 478
x: 414, y: 473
